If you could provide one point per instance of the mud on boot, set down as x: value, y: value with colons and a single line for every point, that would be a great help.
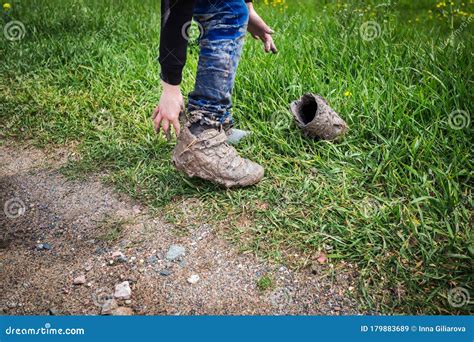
x: 317, y: 119
x: 207, y: 155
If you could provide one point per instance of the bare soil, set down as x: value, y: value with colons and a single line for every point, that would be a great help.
x: 82, y: 222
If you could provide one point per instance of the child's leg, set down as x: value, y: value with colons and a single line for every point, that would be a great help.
x: 225, y: 25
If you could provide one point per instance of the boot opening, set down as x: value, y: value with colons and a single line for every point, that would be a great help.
x: 308, y: 109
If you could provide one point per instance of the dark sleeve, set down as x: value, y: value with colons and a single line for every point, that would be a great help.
x: 173, y: 45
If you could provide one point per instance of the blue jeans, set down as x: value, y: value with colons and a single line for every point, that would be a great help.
x: 224, y: 24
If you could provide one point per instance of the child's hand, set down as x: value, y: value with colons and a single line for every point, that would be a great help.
x: 168, y: 109
x: 260, y: 30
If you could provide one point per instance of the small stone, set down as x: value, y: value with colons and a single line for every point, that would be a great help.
x: 119, y: 257
x: 193, y: 279
x: 165, y: 272
x: 43, y: 246
x: 152, y: 260
x: 128, y: 301
x: 122, y: 311
x: 54, y: 312
x: 108, y: 306
x: 79, y: 280
x: 123, y: 290
x: 89, y: 285
x: 122, y: 259
x: 175, y: 252
x: 100, y: 250
x: 88, y: 267
x: 116, y: 254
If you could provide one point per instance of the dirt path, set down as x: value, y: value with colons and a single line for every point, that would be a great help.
x: 54, y: 231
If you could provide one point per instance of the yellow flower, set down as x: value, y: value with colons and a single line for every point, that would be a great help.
x: 6, y: 6
x: 347, y: 93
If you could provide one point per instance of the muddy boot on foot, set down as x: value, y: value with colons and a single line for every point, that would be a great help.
x: 316, y: 119
x: 207, y: 155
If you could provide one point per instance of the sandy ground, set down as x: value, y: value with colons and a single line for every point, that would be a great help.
x: 84, y: 222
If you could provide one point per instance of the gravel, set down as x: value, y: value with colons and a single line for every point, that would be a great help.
x: 175, y: 252
x: 123, y: 290
x: 74, y: 216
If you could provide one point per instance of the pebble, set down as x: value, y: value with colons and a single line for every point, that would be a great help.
x: 122, y: 311
x: 152, y: 260
x: 100, y: 250
x: 108, y: 306
x: 122, y: 260
x: 193, y: 279
x: 123, y: 290
x: 175, y: 252
x: 79, y: 280
x: 43, y: 246
x: 54, y: 312
x: 116, y: 254
x: 128, y: 301
x: 165, y: 272
x: 119, y: 257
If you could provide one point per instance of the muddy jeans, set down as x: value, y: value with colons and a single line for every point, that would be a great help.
x: 224, y: 25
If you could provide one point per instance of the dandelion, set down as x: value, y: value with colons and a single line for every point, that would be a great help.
x: 347, y: 94
x: 6, y: 6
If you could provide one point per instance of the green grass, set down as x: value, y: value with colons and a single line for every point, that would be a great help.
x: 394, y: 197
x: 265, y: 283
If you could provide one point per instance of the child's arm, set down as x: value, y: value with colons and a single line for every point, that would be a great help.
x: 260, y: 30
x: 173, y: 45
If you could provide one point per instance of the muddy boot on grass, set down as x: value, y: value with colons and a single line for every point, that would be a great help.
x: 207, y: 155
x: 317, y: 119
